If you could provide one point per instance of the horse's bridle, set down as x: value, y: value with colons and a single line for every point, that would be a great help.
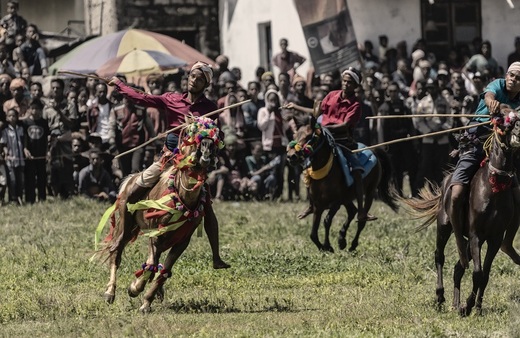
x: 309, y: 148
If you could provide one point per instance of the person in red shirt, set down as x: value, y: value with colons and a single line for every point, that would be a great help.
x: 176, y: 106
x: 340, y: 113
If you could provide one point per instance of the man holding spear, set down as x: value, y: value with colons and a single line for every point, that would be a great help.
x: 176, y: 106
x: 499, y: 93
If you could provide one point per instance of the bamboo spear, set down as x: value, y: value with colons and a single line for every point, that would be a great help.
x: 422, y: 115
x: 420, y: 136
x: 69, y: 72
x: 161, y: 135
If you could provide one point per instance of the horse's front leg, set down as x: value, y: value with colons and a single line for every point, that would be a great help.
x: 507, y: 243
x: 351, y: 213
x: 148, y: 270
x: 327, y: 223
x: 114, y: 262
x: 492, y: 250
x: 156, y: 288
x: 315, y: 226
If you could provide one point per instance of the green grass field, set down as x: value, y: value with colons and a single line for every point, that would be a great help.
x: 279, y: 284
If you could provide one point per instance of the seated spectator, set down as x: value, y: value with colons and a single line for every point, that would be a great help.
x: 261, y: 180
x: 33, y: 53
x: 13, y: 24
x: 95, y: 182
x: 6, y: 66
x: 226, y: 181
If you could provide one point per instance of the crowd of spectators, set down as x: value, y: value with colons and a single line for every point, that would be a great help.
x: 63, y: 142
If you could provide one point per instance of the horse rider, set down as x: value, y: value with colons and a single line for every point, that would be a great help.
x: 471, y: 153
x: 340, y: 113
x: 176, y: 106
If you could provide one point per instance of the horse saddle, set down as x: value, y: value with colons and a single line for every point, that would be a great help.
x: 366, y: 158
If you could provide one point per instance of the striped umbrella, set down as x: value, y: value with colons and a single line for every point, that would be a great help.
x: 140, y: 62
x: 94, y: 53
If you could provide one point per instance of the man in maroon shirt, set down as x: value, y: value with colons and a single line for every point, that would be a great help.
x: 176, y: 106
x: 340, y: 113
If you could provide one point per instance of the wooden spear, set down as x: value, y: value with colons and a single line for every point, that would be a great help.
x: 422, y: 115
x: 161, y: 135
x: 69, y: 72
x: 420, y: 136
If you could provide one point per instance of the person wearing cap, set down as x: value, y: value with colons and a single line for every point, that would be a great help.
x: 176, y: 107
x: 340, y: 113
x: 19, y: 102
x: 500, y: 92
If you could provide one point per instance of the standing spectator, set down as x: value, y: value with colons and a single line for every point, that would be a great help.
x: 33, y: 53
x: 129, y: 126
x: 95, y: 182
x: 482, y: 61
x: 98, y: 114
x: 3, y: 176
x: 5, y: 94
x: 287, y: 61
x: 19, y: 102
x: 403, y: 77
x: 13, y: 24
x: 232, y: 120
x: 364, y: 131
x: 36, y: 131
x: 224, y: 73
x: 250, y: 110
x: 402, y: 155
x: 11, y: 139
x: 515, y: 55
x: 78, y: 159
x: 434, y: 149
x: 274, y: 139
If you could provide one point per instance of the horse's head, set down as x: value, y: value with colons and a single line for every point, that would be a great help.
x: 305, y: 141
x: 507, y: 128
x: 199, y: 143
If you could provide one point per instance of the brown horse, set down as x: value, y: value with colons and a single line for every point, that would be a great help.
x: 490, y: 215
x: 329, y: 190
x: 170, y: 213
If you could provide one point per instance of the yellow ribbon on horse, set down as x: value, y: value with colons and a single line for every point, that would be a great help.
x: 318, y: 174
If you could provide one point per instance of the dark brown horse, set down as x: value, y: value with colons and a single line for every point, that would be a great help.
x: 490, y: 215
x: 168, y: 215
x: 328, y: 189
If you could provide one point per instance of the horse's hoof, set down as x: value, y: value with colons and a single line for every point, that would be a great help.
x: 220, y: 264
x: 327, y: 249
x: 342, y: 243
x: 352, y: 248
x: 132, y: 292
x: 464, y: 311
x: 109, y: 298
x: 145, y: 309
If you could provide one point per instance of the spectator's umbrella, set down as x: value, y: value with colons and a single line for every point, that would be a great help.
x: 91, y: 55
x: 140, y: 62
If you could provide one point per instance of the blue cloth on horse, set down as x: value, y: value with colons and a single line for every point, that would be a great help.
x: 366, y: 159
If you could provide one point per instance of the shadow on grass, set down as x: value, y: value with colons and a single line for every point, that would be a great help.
x: 221, y: 306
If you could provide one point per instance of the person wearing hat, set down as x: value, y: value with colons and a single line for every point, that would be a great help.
x: 19, y: 102
x: 176, y: 107
x: 500, y: 92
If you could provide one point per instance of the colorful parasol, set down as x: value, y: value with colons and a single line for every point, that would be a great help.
x: 140, y: 62
x: 94, y: 53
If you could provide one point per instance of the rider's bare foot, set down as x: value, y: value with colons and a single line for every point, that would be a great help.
x: 220, y: 264
x: 305, y: 213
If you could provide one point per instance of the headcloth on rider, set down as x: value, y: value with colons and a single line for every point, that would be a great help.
x: 514, y: 67
x: 206, y: 69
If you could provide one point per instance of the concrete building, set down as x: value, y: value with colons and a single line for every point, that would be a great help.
x: 250, y: 30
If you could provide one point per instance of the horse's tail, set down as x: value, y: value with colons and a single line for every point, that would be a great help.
x: 385, y: 189
x: 426, y: 206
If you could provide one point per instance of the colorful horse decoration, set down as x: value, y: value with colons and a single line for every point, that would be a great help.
x: 168, y: 215
x: 329, y: 187
x: 491, y: 214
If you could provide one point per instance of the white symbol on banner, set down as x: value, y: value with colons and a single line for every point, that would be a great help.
x: 312, y: 42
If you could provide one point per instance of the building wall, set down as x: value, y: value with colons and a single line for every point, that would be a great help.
x: 51, y: 16
x: 500, y: 25
x: 101, y: 17
x: 239, y: 36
